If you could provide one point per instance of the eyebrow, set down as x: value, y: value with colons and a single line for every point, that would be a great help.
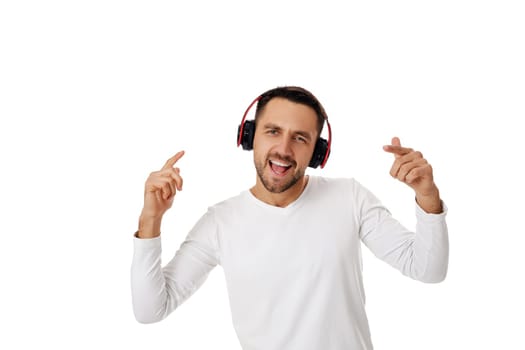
x: 304, y: 134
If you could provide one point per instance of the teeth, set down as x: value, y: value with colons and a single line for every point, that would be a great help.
x: 279, y: 164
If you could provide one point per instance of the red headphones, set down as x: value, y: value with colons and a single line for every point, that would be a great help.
x: 246, y: 133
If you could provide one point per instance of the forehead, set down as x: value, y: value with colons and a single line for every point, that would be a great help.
x: 289, y: 114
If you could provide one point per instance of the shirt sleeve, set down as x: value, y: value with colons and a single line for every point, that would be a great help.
x: 156, y: 290
x: 421, y: 255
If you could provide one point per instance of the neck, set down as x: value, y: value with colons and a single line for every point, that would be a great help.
x: 282, y: 199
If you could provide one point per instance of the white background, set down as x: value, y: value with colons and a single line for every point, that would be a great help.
x: 94, y: 95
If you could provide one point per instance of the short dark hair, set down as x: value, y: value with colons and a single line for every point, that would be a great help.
x: 295, y: 94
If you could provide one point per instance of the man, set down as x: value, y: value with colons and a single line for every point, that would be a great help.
x: 290, y: 245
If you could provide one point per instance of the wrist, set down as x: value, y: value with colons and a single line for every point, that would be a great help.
x: 430, y: 202
x: 149, y: 226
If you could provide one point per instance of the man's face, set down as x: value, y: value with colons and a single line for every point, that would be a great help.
x: 284, y: 141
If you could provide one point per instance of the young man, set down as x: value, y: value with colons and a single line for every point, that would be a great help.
x: 290, y: 245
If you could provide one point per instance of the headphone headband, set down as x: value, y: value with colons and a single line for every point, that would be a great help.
x: 241, y: 130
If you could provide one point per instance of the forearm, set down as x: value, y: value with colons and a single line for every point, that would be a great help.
x: 148, y: 284
x: 158, y: 290
x: 431, y: 248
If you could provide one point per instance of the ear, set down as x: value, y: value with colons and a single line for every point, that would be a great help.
x: 320, y: 153
x: 248, y: 133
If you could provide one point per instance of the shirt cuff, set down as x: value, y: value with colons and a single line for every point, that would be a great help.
x: 146, y: 243
x: 421, y: 214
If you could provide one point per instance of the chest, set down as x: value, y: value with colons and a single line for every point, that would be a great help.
x: 271, y: 250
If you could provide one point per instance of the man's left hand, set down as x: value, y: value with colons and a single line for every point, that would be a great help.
x: 412, y: 169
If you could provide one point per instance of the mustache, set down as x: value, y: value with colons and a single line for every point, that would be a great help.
x: 285, y: 159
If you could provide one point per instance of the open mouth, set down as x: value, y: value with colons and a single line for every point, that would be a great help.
x: 279, y: 168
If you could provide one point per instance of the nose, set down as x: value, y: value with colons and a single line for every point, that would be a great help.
x: 284, y: 147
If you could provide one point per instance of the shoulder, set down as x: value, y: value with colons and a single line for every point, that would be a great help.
x: 333, y: 183
x: 331, y: 188
x: 340, y: 186
x: 230, y: 204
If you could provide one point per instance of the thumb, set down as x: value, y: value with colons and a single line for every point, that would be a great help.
x: 396, y: 141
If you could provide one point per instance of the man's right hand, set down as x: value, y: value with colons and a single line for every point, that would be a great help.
x: 159, y: 192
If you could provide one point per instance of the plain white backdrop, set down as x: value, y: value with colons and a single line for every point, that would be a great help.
x: 95, y: 95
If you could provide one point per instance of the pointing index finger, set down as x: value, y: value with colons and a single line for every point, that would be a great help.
x: 171, y: 162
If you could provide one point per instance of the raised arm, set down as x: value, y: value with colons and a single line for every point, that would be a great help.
x: 423, y: 254
x: 157, y: 290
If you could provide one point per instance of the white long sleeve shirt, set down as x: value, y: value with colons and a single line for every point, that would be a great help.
x: 293, y: 274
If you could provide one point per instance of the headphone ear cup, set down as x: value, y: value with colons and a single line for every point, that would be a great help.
x: 248, y: 132
x: 320, y: 152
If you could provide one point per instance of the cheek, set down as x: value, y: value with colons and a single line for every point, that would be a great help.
x: 259, y: 149
x: 257, y: 155
x: 261, y: 145
x: 305, y: 155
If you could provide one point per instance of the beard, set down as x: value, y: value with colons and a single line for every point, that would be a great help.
x: 279, y: 187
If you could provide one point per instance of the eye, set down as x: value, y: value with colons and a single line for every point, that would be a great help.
x: 300, y: 139
x: 272, y: 132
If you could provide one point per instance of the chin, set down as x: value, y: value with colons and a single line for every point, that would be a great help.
x: 276, y: 183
